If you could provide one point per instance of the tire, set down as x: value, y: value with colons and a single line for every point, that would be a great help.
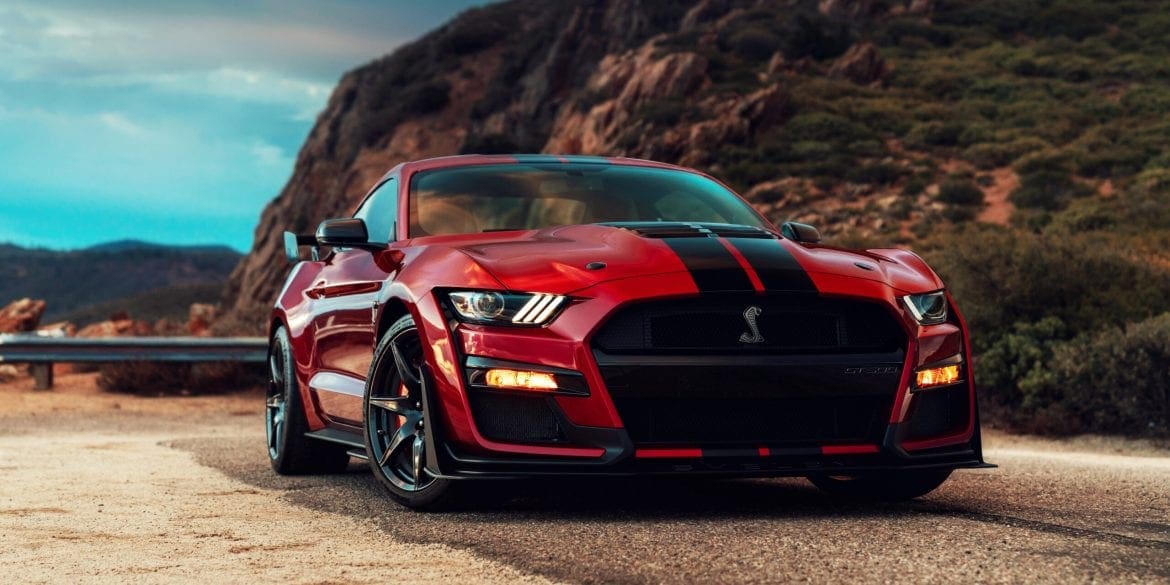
x: 393, y: 431
x: 289, y: 450
x: 890, y: 486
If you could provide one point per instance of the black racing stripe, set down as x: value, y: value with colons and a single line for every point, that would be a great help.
x: 775, y: 266
x: 712, y: 267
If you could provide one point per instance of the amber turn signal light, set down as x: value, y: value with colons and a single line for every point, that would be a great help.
x: 940, y: 376
x: 519, y: 380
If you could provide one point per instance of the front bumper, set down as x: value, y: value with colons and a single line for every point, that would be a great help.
x: 586, y: 435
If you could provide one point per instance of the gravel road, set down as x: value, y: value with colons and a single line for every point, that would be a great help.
x: 112, y: 488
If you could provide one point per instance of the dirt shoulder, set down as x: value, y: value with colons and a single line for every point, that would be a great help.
x: 112, y: 502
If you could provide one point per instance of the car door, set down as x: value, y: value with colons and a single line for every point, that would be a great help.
x: 344, y: 298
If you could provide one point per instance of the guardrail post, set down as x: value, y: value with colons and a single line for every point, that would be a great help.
x: 42, y: 375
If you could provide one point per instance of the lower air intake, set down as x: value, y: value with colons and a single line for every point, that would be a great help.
x: 516, y: 419
x: 940, y: 412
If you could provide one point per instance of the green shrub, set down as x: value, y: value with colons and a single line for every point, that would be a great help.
x: 1048, y: 189
x: 927, y: 134
x: 1002, y: 276
x: 1114, y: 381
x: 179, y: 379
x: 1084, y: 215
x: 898, y: 30
x: 754, y: 43
x: 958, y: 213
x: 991, y: 155
x: 960, y: 191
x: 1010, y: 357
x: 1152, y: 101
x: 915, y: 185
x: 825, y: 127
x: 875, y: 173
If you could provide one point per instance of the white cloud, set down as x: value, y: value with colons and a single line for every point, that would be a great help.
x: 270, y: 155
x: 119, y: 123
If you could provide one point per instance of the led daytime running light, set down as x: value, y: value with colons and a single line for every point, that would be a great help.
x: 538, y: 309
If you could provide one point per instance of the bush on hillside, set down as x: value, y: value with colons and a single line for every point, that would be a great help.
x: 960, y: 191
x: 179, y: 379
x: 1001, y: 277
x: 1115, y: 381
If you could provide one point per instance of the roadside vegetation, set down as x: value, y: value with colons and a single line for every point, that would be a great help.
x: 1068, y: 296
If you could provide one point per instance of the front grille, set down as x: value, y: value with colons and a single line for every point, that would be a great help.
x: 940, y: 412
x: 787, y: 324
x: 516, y: 419
x: 755, y: 422
x: 754, y: 404
x: 680, y: 372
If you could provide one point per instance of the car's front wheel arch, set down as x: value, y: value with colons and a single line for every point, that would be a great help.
x: 393, y: 427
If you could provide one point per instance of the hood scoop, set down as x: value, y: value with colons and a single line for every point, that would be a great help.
x: 668, y: 229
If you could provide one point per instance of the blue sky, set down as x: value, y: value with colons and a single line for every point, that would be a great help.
x: 172, y: 122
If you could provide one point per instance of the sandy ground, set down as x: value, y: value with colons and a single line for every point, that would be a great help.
x: 119, y: 504
x: 105, y: 488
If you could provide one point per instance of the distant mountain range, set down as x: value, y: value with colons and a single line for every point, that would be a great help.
x: 147, y: 280
x: 124, y: 245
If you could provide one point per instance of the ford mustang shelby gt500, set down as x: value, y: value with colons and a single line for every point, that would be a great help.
x: 531, y: 315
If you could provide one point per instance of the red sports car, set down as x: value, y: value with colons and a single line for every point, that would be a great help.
x: 537, y: 315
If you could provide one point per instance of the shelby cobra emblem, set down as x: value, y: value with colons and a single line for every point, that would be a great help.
x: 749, y: 315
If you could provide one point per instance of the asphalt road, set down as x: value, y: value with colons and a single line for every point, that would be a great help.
x: 1041, y: 517
x: 1051, y: 513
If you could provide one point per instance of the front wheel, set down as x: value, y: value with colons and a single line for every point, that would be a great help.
x: 395, y: 432
x: 886, y: 485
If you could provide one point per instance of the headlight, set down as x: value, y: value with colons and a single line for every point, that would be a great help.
x: 929, y: 308
x: 494, y: 307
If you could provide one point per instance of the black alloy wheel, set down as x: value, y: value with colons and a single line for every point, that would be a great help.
x: 289, y: 450
x: 276, y: 405
x: 395, y: 428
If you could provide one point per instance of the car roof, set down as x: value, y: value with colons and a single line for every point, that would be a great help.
x: 409, y: 168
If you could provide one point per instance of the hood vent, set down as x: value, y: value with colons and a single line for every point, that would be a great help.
x: 664, y: 229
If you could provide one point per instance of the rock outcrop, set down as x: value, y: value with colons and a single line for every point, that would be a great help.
x: 664, y: 80
x: 21, y: 316
x: 861, y: 64
x: 120, y: 326
x: 201, y: 317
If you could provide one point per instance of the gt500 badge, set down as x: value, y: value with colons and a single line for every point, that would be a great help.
x: 872, y: 370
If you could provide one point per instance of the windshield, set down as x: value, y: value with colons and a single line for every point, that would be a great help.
x: 480, y: 198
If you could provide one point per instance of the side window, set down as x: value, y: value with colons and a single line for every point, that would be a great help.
x: 379, y: 212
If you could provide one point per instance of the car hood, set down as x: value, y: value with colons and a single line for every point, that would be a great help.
x: 565, y: 259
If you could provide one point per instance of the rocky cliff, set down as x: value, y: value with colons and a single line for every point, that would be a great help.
x: 659, y: 79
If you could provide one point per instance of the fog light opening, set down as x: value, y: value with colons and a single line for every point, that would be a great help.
x: 519, y: 380
x: 940, y: 376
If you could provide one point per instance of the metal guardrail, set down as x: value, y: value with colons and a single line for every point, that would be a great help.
x: 43, y: 351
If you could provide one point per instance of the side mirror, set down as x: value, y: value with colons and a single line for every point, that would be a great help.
x: 800, y: 232
x: 293, y: 242
x: 345, y: 232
